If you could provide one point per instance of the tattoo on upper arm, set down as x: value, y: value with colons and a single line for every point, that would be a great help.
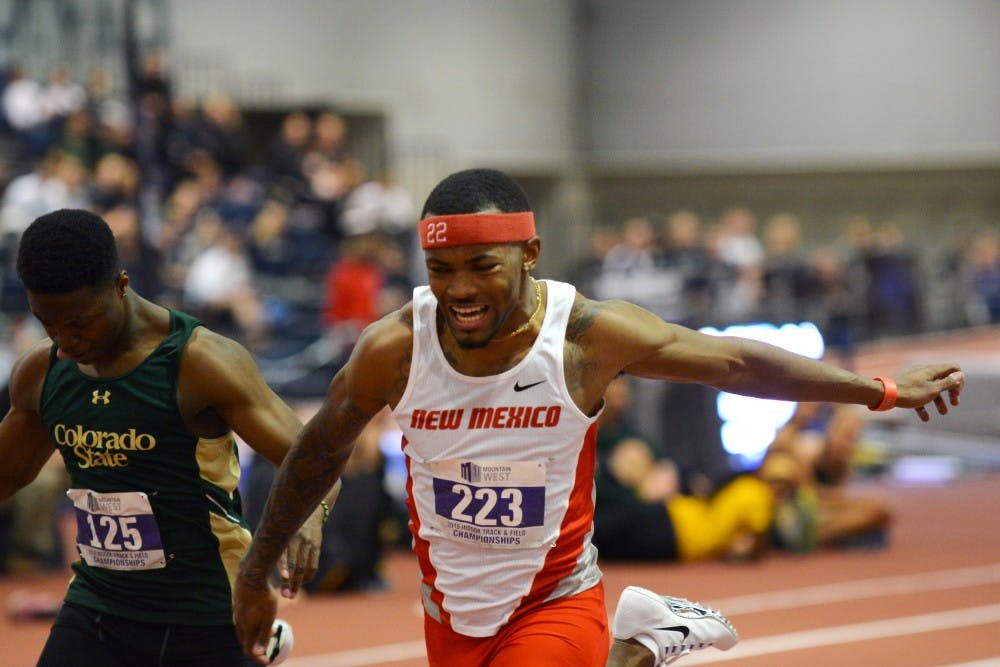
x: 399, y: 383
x: 577, y: 366
x: 576, y: 363
x: 581, y: 317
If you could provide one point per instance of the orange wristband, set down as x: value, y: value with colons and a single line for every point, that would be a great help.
x: 888, y: 397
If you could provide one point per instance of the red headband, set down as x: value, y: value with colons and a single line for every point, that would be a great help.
x: 446, y: 231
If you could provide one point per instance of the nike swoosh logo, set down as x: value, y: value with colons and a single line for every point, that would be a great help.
x: 522, y: 387
x: 678, y: 628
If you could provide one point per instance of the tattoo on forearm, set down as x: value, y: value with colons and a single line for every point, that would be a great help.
x: 307, y: 474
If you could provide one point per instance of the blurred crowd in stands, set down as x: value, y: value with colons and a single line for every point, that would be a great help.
x: 869, y: 282
x: 294, y: 249
x: 204, y: 224
x: 193, y: 200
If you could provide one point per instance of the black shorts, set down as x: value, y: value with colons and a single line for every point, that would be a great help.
x: 84, y: 637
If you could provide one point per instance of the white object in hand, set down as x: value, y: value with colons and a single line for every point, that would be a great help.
x: 280, y: 645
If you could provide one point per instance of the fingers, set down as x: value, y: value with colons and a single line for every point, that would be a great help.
x: 253, y: 628
x: 298, y: 566
x: 258, y: 646
x: 943, y: 380
x: 958, y: 383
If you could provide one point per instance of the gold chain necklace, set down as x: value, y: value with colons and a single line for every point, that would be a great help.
x: 524, y: 327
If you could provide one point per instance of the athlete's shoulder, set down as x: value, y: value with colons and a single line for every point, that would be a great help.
x: 211, y: 360
x: 593, y: 319
x: 28, y: 374
x: 208, y: 346
x: 390, y: 335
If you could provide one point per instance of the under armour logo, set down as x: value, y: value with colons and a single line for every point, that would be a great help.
x: 98, y: 397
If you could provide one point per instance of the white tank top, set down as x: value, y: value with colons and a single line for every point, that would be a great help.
x: 501, y: 477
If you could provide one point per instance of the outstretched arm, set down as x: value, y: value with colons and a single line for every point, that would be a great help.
x: 648, y: 347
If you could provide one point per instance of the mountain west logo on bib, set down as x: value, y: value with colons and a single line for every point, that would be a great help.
x: 101, y: 398
x: 471, y: 473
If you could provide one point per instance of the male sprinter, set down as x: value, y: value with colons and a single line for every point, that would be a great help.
x: 497, y: 381
x: 142, y: 403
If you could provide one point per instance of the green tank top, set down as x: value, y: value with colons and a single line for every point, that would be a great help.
x: 160, y: 533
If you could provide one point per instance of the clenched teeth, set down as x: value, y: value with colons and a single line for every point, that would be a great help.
x: 468, y: 313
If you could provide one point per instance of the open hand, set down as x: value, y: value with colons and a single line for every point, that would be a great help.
x: 921, y: 385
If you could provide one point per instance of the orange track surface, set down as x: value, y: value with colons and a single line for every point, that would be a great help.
x: 931, y: 598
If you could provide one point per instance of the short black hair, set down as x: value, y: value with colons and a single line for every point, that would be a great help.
x: 475, y: 190
x: 65, y: 250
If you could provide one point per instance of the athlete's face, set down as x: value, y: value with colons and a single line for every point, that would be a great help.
x: 85, y: 323
x: 478, y: 287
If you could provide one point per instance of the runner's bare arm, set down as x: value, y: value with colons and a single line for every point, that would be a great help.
x: 220, y: 378
x: 647, y: 346
x: 220, y: 389
x: 372, y: 378
x: 25, y: 444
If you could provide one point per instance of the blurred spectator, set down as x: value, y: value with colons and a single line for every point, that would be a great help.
x: 382, y: 205
x: 329, y: 138
x: 57, y: 181
x: 397, y: 285
x: 586, y: 273
x: 240, y: 198
x: 270, y: 249
x: 77, y: 137
x: 739, y: 275
x: 219, y: 286
x: 177, y: 244
x: 351, y: 289
x: 737, y: 243
x: 684, y: 253
x: 61, y: 96
x: 220, y: 133
x: 151, y: 102
x: 894, y: 305
x: 823, y: 510
x: 138, y: 257
x: 633, y: 270
x: 115, y: 182
x: 785, y: 271
x: 25, y: 197
x: 619, y: 440
x: 637, y: 249
x: 111, y: 116
x: 980, y: 275
x: 835, y: 301
x: 26, y: 113
x: 644, y: 513
x: 286, y: 154
x: 329, y: 182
